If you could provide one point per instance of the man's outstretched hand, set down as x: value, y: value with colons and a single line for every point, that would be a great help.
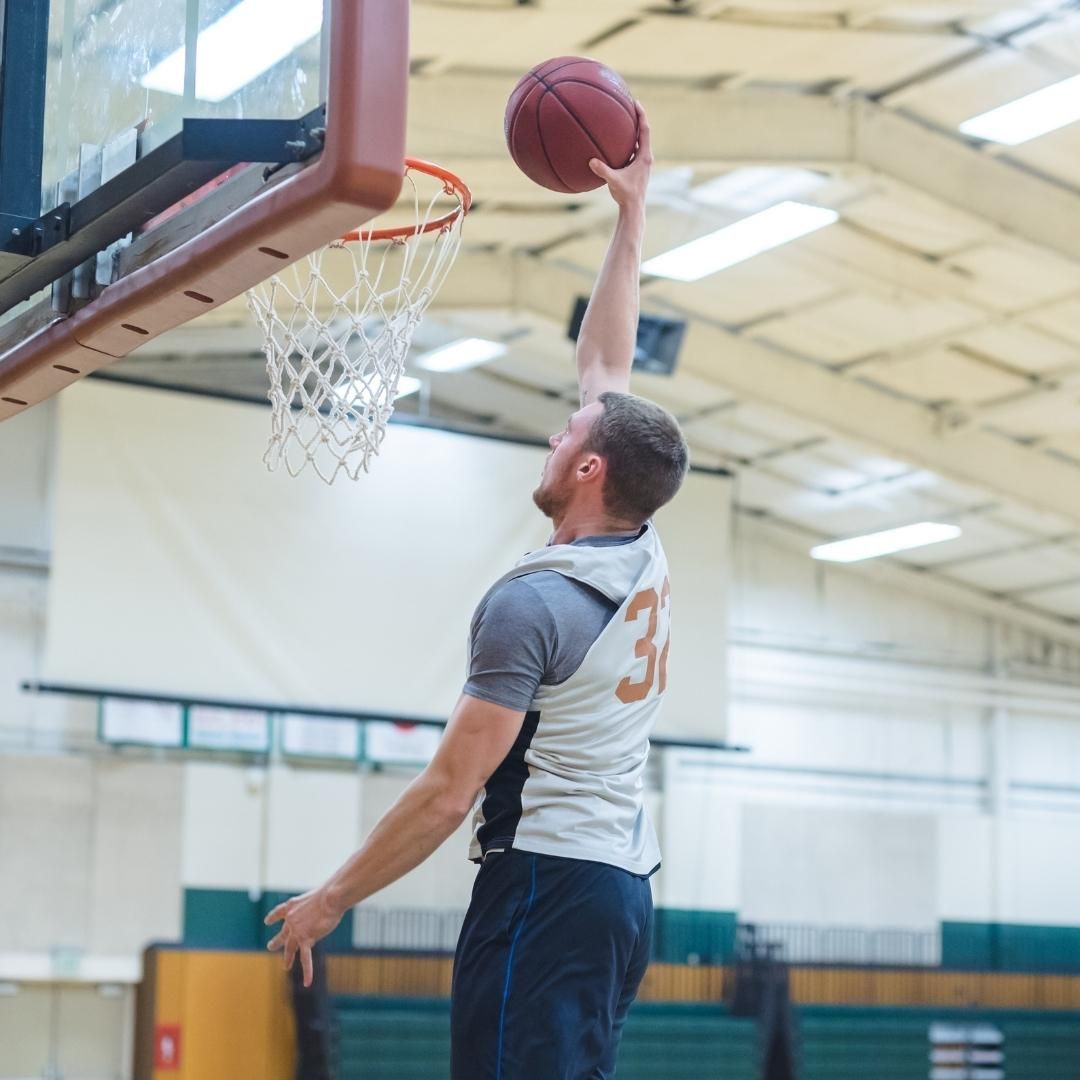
x: 628, y: 186
x: 307, y: 919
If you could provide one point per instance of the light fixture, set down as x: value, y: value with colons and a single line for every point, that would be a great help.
x: 888, y: 542
x: 407, y: 384
x: 462, y: 354
x: 743, y: 240
x: 1030, y: 116
x: 247, y: 40
x: 757, y: 187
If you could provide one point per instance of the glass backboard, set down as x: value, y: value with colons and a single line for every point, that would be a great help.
x: 119, y: 65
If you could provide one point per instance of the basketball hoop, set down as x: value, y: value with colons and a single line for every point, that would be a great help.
x: 338, y: 326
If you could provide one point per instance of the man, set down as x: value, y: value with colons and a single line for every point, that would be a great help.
x: 568, y: 661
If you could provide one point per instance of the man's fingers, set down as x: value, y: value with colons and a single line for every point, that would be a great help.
x: 276, y: 941
x: 276, y: 914
x: 644, y: 132
x: 601, y: 169
x: 290, y: 955
x: 306, y: 965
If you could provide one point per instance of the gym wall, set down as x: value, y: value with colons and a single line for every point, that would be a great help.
x: 180, y: 565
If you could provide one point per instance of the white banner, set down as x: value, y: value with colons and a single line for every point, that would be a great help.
x: 311, y: 736
x: 150, y: 723
x: 212, y: 728
x: 180, y: 565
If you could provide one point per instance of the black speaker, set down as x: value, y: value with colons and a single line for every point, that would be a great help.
x: 658, y: 340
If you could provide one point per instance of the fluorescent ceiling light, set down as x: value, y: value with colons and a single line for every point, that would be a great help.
x: 351, y: 392
x: 752, y: 189
x: 465, y: 353
x: 1030, y: 116
x: 888, y: 542
x: 407, y: 384
x: 246, y: 41
x: 760, y: 232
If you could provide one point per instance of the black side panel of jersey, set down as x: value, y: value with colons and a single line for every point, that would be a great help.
x: 502, y: 794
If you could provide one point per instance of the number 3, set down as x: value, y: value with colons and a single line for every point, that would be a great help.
x: 645, y: 647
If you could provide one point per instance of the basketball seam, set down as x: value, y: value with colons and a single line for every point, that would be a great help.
x: 540, y: 137
x: 538, y: 84
x: 569, y: 63
x: 630, y: 111
x: 577, y: 120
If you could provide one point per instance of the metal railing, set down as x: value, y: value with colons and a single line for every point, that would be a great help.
x: 863, y: 947
x: 436, y: 931
x: 406, y: 929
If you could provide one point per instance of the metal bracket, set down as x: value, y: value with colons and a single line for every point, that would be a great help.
x: 50, y: 229
x: 68, y: 235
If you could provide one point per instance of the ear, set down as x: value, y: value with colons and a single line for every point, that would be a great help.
x: 591, y: 469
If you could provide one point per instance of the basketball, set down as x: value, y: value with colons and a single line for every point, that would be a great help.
x: 565, y: 112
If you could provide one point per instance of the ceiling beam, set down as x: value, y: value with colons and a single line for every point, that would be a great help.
x: 1005, y: 193
x: 897, y: 574
x: 757, y: 372
x: 457, y: 118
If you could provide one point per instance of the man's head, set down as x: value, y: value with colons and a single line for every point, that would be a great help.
x: 622, y: 457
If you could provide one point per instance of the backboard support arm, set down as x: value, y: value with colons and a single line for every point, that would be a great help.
x: 23, y: 63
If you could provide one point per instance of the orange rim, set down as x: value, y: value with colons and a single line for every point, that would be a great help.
x: 452, y: 185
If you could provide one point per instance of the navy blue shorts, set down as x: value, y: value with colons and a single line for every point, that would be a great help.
x: 547, y: 965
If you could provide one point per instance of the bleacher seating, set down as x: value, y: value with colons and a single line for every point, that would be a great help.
x: 408, y: 1039
x: 846, y: 1043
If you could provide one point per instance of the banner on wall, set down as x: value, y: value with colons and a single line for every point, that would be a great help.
x: 312, y: 736
x: 143, y: 723
x: 211, y: 728
x: 400, y: 744
x: 181, y: 566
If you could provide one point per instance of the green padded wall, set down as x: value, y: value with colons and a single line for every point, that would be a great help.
x: 683, y: 936
x: 231, y: 919
x: 973, y: 946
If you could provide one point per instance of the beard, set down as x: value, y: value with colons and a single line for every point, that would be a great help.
x: 549, y: 500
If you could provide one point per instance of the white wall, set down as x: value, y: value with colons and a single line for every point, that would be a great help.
x: 868, y: 709
x: 180, y: 565
x: 32, y: 721
x: 57, y: 1031
x: 26, y: 721
x: 89, y: 855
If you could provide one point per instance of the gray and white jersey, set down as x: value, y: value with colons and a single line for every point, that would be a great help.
x: 576, y: 635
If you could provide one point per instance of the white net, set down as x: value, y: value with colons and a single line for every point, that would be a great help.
x: 338, y: 326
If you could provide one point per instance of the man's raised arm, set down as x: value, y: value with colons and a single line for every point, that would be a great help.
x: 605, y: 348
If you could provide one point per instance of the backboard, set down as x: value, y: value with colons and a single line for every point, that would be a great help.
x: 166, y: 155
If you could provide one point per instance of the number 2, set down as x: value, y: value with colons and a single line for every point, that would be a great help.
x: 645, y: 647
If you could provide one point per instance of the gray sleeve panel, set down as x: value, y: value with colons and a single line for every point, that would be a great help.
x: 512, y: 646
x: 580, y: 612
x: 534, y: 629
